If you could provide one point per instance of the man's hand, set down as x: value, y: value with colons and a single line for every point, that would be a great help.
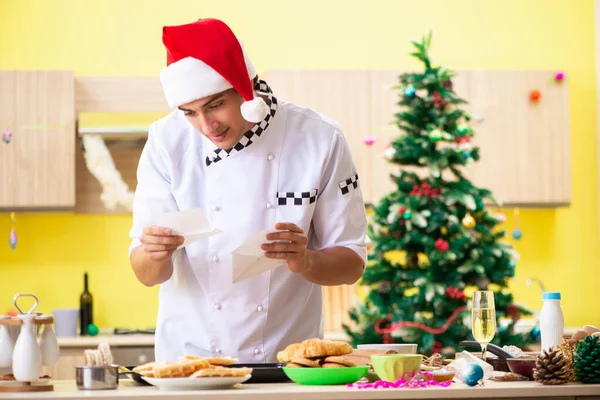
x: 293, y: 250
x: 159, y: 243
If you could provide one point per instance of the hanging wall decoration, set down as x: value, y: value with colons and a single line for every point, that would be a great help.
x: 12, y: 236
x: 516, y: 233
x: 535, y: 95
x: 6, y: 136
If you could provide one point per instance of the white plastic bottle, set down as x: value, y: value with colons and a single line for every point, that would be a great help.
x: 552, y: 323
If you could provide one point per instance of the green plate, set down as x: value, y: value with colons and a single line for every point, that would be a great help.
x: 326, y: 376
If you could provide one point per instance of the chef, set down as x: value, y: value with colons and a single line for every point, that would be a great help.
x: 250, y: 162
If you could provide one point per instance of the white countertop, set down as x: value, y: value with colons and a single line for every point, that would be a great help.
x: 292, y: 391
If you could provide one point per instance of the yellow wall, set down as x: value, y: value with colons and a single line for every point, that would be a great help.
x: 123, y: 37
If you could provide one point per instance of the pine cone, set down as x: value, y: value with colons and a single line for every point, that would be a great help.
x: 552, y: 368
x: 567, y: 347
x: 587, y: 360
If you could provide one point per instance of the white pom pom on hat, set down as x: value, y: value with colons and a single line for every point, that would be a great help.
x: 205, y: 58
x: 254, y: 110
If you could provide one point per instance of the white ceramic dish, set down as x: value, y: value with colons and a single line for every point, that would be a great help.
x: 404, y: 348
x: 218, y: 382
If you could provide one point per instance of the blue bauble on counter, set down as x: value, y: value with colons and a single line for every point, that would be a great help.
x: 471, y: 374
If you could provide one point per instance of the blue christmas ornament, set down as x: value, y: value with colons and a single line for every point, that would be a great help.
x: 512, y: 264
x: 517, y: 234
x: 471, y: 374
x: 410, y: 91
x: 535, y: 333
x: 466, y: 155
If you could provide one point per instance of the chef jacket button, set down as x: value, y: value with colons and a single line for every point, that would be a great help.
x: 216, y: 208
x: 217, y: 306
x: 215, y: 258
x: 218, y: 351
x: 259, y: 308
x: 269, y: 205
x: 256, y: 351
x: 270, y: 157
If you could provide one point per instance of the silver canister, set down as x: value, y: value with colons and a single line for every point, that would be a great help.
x: 97, y: 377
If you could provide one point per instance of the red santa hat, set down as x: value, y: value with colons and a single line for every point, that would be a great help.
x: 206, y: 58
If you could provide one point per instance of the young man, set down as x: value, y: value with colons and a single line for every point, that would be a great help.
x: 250, y: 162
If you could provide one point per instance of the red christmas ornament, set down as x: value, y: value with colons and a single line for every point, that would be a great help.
x: 513, y: 312
x: 401, y: 210
x: 442, y: 245
x: 437, y: 347
x: 388, y: 339
x: 462, y: 139
x: 455, y: 293
x: 437, y: 100
x: 425, y: 190
x: 535, y: 95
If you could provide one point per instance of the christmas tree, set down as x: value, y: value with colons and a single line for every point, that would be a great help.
x: 434, y: 241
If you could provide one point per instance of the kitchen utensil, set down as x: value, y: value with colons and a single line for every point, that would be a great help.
x: 97, y: 377
x: 27, y: 357
x: 326, y: 376
x: 49, y: 346
x: 400, y: 348
x: 391, y: 367
x: 496, y: 350
x: 522, y: 366
x: 6, y: 345
x: 265, y: 372
x: 128, y: 371
x: 26, y: 353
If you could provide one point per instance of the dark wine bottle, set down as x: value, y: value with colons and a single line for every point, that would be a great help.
x: 85, y: 307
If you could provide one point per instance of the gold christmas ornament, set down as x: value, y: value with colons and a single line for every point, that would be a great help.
x: 444, y: 230
x: 468, y: 221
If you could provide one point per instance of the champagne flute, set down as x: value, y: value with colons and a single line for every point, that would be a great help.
x: 483, y: 317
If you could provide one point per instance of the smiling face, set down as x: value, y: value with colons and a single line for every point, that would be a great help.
x: 218, y: 117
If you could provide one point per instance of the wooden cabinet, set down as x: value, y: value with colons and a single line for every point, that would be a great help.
x: 37, y: 167
x: 524, y: 145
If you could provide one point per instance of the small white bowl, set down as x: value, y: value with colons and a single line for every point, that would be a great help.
x: 404, y: 348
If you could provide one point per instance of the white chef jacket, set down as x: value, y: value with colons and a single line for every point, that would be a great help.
x: 299, y: 170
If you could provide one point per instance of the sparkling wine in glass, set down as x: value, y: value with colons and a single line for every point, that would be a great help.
x: 483, y: 316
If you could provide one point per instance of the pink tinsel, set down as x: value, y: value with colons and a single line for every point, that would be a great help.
x: 403, y: 382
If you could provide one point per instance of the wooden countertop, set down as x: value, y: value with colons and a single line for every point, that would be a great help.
x: 292, y: 391
x: 112, y: 340
x: 134, y: 340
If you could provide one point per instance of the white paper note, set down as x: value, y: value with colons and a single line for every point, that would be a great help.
x: 191, y: 224
x: 249, y: 259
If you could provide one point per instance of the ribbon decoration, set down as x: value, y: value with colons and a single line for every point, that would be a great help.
x: 436, y: 331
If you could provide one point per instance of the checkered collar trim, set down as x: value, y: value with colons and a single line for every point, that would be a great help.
x: 253, y: 134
